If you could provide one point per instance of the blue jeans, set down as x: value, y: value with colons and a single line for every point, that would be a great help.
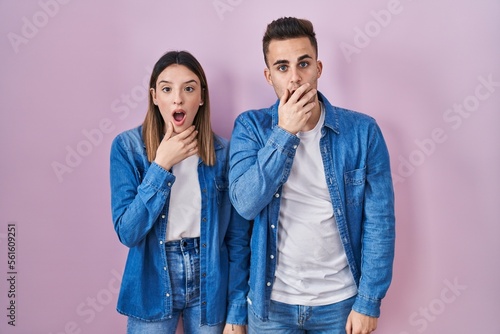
x: 299, y: 319
x: 183, y: 260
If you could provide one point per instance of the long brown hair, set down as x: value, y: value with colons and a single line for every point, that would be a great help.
x: 153, y: 126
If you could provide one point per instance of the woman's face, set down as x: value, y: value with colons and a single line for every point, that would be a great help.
x: 178, y: 95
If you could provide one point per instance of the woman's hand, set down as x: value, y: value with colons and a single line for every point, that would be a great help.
x: 174, y: 149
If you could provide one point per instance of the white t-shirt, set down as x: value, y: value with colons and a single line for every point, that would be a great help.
x: 312, y: 267
x: 184, y: 210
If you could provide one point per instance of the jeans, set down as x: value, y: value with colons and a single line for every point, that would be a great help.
x: 299, y: 319
x: 183, y: 259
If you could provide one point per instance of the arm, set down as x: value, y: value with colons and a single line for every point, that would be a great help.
x: 136, y: 204
x: 261, y: 157
x: 378, y: 229
x: 258, y: 169
x: 238, y: 245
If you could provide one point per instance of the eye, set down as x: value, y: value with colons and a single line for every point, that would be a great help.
x: 166, y: 89
x: 282, y: 68
x: 303, y: 64
x: 189, y: 89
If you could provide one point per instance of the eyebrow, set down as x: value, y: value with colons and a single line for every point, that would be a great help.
x: 187, y: 82
x: 284, y: 61
x: 306, y: 56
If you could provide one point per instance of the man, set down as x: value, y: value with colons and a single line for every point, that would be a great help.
x: 316, y: 180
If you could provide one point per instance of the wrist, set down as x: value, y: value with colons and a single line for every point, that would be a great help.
x: 287, y: 130
x: 163, y: 164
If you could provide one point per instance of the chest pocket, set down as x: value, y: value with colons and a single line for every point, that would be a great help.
x: 355, y: 181
x: 221, y: 187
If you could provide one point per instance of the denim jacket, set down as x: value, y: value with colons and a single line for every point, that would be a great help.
x: 357, y: 170
x: 140, y: 193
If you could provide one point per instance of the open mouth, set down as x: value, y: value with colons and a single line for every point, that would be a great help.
x: 179, y: 116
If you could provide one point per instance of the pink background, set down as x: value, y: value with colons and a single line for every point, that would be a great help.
x: 72, y: 78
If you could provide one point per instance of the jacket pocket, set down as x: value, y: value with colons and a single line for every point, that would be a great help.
x: 354, y: 181
x: 222, y: 187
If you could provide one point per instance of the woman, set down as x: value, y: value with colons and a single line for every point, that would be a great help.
x: 189, y: 249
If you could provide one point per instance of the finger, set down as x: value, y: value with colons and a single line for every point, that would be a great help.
x: 192, y: 146
x: 192, y: 136
x: 309, y: 96
x: 186, y: 133
x: 285, y: 97
x: 348, y: 325
x: 308, y: 107
x: 170, y: 130
x: 297, y: 95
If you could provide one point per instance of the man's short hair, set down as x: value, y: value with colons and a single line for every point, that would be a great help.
x: 287, y: 28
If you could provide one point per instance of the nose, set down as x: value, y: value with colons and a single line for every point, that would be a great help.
x: 295, y: 76
x: 178, y: 97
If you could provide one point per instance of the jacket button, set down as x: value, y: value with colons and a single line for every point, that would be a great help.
x: 204, y: 275
x: 168, y: 295
x: 276, y: 195
x: 268, y: 284
x: 272, y: 257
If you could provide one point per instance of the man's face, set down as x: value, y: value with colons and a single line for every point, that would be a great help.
x: 292, y: 63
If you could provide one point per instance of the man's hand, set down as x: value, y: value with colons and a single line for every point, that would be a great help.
x: 235, y: 329
x: 294, y: 111
x: 358, y: 323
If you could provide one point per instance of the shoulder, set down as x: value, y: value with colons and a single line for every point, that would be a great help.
x: 221, y: 146
x: 220, y: 142
x: 257, y: 115
x: 255, y: 123
x: 352, y: 116
x: 343, y: 119
x: 130, y: 140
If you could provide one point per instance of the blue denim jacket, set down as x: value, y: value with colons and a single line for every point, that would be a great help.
x: 357, y: 170
x: 140, y: 193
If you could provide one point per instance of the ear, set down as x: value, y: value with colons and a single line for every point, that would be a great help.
x: 202, y: 102
x: 153, y: 95
x: 319, y: 66
x: 267, y: 75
